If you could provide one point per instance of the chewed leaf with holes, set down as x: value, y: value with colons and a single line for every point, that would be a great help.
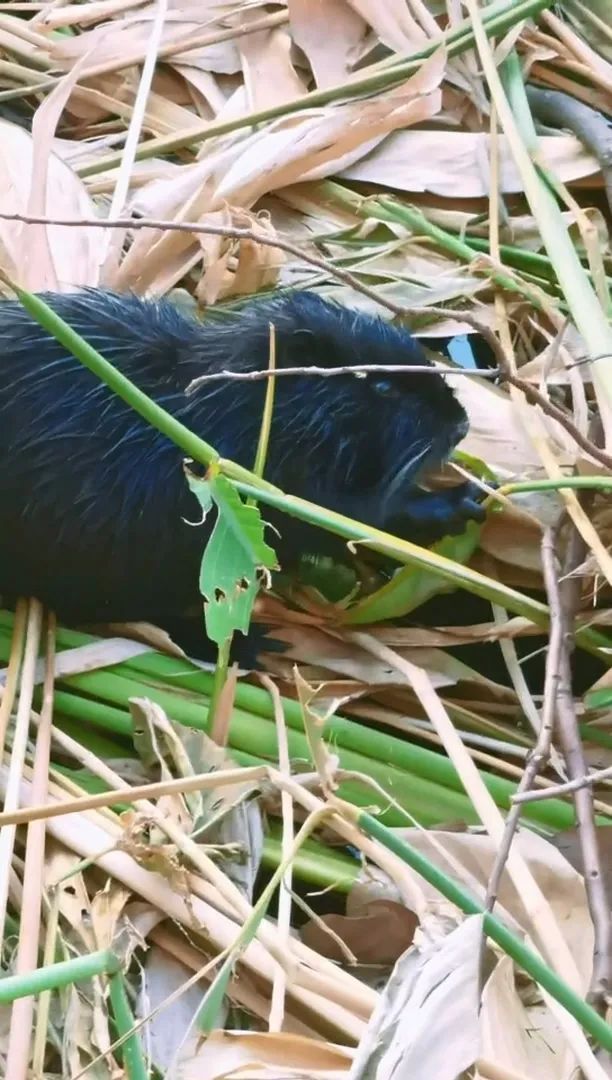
x: 235, y: 559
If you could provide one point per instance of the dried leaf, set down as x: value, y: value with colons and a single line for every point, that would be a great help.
x: 438, y: 982
x: 378, y: 937
x: 455, y: 164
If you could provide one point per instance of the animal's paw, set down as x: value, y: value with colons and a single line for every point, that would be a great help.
x: 430, y: 515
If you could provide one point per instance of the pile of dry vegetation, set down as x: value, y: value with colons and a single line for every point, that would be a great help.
x: 295, y: 886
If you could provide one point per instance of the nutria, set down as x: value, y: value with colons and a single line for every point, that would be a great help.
x: 96, y: 518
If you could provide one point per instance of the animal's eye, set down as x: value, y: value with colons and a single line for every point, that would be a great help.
x: 385, y: 388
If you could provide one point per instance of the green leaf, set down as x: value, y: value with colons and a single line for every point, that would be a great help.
x: 235, y: 558
x: 412, y: 586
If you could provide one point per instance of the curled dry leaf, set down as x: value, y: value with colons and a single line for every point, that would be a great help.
x: 379, y: 936
x: 320, y: 143
x: 328, y: 32
x: 434, y: 985
x: 252, y: 1056
x: 75, y: 253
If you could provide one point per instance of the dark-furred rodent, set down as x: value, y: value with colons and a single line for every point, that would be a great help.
x: 96, y: 518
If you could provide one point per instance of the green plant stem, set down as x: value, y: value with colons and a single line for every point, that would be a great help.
x: 55, y: 976
x: 512, y: 945
x: 497, y: 17
x: 133, y: 1057
x: 384, y: 208
x: 219, y: 678
x: 601, y: 483
x: 586, y: 311
x: 528, y: 262
x: 315, y: 864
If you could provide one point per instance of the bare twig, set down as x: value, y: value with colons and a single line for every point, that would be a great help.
x: 541, y: 752
x: 536, y: 398
x: 573, y: 752
x: 558, y: 790
x: 229, y: 231
x: 329, y: 373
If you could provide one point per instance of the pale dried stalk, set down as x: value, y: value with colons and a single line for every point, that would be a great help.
x: 10, y: 688
x: 114, y: 243
x: 315, y: 979
x: 279, y: 987
x: 218, y: 890
x: 44, y: 1001
x: 20, y: 739
x: 240, y: 989
x: 22, y: 1012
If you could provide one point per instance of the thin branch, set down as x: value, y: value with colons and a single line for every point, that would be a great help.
x: 229, y: 231
x: 577, y: 769
x: 558, y: 790
x: 541, y: 752
x: 330, y: 373
x: 536, y: 398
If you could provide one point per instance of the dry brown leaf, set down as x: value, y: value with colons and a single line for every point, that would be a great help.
x: 328, y: 32
x: 497, y: 435
x: 455, y: 164
x: 269, y: 75
x: 404, y: 637
x: 321, y: 143
x: 568, y: 843
x: 75, y: 253
x: 393, y: 23
x: 252, y: 1056
x: 378, y: 937
x: 341, y: 657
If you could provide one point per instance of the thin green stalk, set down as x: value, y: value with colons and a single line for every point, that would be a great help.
x: 582, y: 1012
x: 528, y: 262
x: 586, y: 311
x: 384, y: 208
x: 597, y: 483
x: 133, y: 1057
x: 321, y: 867
x: 497, y: 17
x: 56, y: 976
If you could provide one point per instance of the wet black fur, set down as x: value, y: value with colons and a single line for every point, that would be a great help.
x: 93, y: 500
